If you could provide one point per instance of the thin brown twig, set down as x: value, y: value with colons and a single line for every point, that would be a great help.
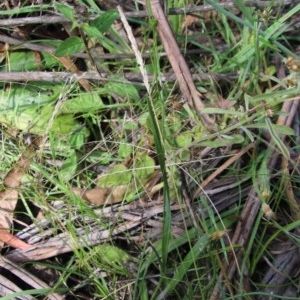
x: 179, y: 64
x: 289, y: 110
x: 65, y: 242
x: 250, y: 210
x: 23, y: 44
x: 45, y: 19
x: 240, y: 239
x: 223, y: 167
x: 24, y: 275
x: 67, y: 77
x: 19, y: 44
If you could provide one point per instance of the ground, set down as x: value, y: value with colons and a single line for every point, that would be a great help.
x: 149, y: 151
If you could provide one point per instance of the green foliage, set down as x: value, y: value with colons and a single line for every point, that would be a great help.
x: 31, y: 109
x: 117, y: 175
x: 123, y: 88
x: 69, y: 167
x: 22, y: 61
x: 121, y: 175
x: 111, y: 258
x: 70, y: 46
x: 83, y: 103
x: 132, y: 136
x: 66, y: 10
x: 105, y: 20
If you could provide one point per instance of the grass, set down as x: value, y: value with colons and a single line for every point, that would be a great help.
x: 169, y: 236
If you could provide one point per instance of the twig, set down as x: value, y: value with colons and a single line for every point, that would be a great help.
x: 31, y: 280
x: 289, y: 110
x: 142, y: 13
x: 26, y: 45
x: 178, y: 64
x: 19, y: 44
x: 223, y: 167
x: 65, y: 242
x: 240, y: 238
x: 135, y: 49
x: 67, y: 77
x: 251, y: 208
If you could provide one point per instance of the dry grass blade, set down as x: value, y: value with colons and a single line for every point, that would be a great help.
x: 240, y: 238
x: 122, y: 219
x: 252, y: 207
x: 142, y: 13
x: 31, y: 280
x: 223, y: 167
x: 179, y: 64
x: 7, y: 287
x: 285, y: 265
x: 135, y: 49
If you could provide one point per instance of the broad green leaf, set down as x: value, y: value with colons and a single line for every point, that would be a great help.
x: 22, y: 61
x: 271, y: 70
x: 32, y: 120
x: 144, y: 119
x: 18, y: 97
x: 103, y: 22
x: 78, y: 137
x: 223, y: 141
x: 27, y: 108
x: 130, y: 125
x: 116, y: 176
x: 66, y: 10
x: 37, y: 120
x: 92, y: 32
x: 125, y: 149
x: 184, y: 139
x: 83, y: 103
x: 125, y: 89
x: 30, y: 109
x: 111, y: 258
x: 99, y: 157
x: 70, y: 46
x: 49, y: 61
x: 175, y: 122
x: 69, y: 167
x: 64, y: 124
x: 143, y: 165
x: 280, y: 129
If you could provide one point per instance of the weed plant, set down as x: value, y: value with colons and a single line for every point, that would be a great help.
x: 116, y: 133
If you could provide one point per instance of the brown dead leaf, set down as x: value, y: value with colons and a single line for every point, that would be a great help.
x: 101, y: 196
x: 95, y: 196
x: 188, y: 21
x: 13, y: 177
x: 70, y: 66
x: 8, y: 201
x: 224, y: 103
x: 38, y: 59
x: 9, y: 239
x: 9, y: 197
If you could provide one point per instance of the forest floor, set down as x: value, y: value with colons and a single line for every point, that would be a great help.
x: 149, y: 150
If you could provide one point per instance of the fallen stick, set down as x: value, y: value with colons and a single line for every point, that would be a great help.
x: 179, y: 65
